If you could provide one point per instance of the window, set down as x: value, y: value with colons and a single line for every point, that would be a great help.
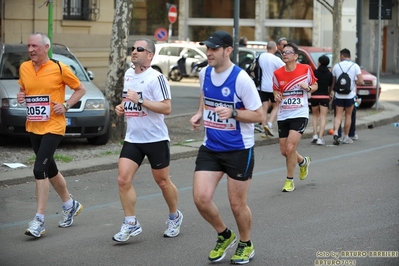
x: 77, y: 10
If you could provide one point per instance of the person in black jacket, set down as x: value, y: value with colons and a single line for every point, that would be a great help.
x: 320, y: 99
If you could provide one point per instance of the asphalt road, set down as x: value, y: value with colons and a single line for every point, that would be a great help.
x: 348, y: 205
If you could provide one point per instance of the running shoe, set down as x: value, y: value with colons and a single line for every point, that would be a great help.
x: 68, y: 214
x: 315, y: 138
x: 355, y: 137
x: 218, y: 253
x: 127, y: 230
x: 258, y: 128
x: 36, y: 228
x: 268, y: 130
x: 289, y: 186
x: 320, y: 141
x: 264, y: 136
x: 243, y: 254
x: 336, y: 139
x: 173, y: 229
x: 347, y: 140
x: 303, y: 170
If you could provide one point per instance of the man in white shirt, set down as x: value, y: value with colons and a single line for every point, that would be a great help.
x: 268, y: 62
x: 345, y: 102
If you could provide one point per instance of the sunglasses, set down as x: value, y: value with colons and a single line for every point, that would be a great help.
x: 139, y: 49
x: 288, y: 52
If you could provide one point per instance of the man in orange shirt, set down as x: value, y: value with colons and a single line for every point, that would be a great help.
x: 42, y: 88
x: 291, y: 85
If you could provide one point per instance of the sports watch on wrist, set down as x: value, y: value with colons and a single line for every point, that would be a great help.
x: 234, y: 113
x: 66, y: 106
x: 140, y: 102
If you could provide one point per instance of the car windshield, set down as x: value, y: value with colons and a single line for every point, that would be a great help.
x: 70, y: 61
x: 315, y: 57
x: 10, y: 63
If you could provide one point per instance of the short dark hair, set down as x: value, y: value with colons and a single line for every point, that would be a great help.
x: 345, y: 52
x: 324, y: 60
x: 293, y: 46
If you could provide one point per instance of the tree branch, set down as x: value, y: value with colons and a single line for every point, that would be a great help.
x: 326, y: 5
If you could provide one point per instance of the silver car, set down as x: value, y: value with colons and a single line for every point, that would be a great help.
x: 167, y: 54
x: 89, y: 118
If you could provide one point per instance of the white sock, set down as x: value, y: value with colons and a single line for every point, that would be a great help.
x: 130, y: 219
x: 270, y: 124
x: 68, y: 204
x: 40, y: 216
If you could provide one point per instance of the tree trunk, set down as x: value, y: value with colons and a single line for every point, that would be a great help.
x: 117, y: 65
x: 337, y: 30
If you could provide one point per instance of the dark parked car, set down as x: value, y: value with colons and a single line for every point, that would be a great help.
x: 310, y: 55
x: 89, y: 118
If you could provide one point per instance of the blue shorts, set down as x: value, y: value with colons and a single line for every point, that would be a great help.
x: 344, y: 102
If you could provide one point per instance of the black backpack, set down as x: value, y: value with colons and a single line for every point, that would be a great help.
x: 255, y: 72
x: 343, y: 83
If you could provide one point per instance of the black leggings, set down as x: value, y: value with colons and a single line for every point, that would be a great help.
x: 44, y: 147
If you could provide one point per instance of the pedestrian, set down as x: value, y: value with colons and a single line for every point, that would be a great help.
x: 146, y: 99
x: 280, y: 45
x: 345, y: 102
x: 42, y: 87
x: 268, y: 63
x: 243, y: 42
x: 229, y: 105
x: 320, y: 99
x: 291, y: 85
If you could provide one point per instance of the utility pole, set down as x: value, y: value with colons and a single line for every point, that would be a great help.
x: 236, y: 30
x: 50, y: 26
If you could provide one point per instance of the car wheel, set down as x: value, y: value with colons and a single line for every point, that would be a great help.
x: 100, y: 140
x: 175, y: 75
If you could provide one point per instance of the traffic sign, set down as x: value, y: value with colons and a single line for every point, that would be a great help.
x: 172, y: 14
x: 161, y: 34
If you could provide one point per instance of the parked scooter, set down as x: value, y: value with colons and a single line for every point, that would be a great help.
x: 179, y: 71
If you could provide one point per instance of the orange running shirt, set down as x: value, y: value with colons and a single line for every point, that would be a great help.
x: 47, y: 81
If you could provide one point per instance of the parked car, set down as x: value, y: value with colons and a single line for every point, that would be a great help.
x: 167, y: 54
x: 246, y: 56
x: 89, y: 118
x: 310, y: 55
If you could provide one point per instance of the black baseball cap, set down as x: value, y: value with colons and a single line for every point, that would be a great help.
x: 218, y: 39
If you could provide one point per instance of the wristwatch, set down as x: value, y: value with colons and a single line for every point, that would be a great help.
x: 234, y: 113
x: 66, y: 106
x: 140, y: 102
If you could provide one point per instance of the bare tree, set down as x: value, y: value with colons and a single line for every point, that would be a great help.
x: 336, y: 12
x: 117, y: 64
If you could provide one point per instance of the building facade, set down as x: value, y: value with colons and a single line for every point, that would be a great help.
x: 85, y: 25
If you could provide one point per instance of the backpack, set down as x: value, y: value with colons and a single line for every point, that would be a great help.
x: 255, y: 72
x: 58, y: 63
x: 343, y: 83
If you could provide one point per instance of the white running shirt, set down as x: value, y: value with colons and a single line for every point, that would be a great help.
x: 143, y: 125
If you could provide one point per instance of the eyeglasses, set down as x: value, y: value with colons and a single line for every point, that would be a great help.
x: 288, y: 52
x: 139, y: 49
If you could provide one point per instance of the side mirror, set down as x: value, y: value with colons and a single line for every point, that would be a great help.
x: 90, y: 74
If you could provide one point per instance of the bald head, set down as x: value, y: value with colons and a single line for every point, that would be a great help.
x: 271, y: 47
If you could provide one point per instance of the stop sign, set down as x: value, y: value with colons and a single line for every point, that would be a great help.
x: 172, y: 14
